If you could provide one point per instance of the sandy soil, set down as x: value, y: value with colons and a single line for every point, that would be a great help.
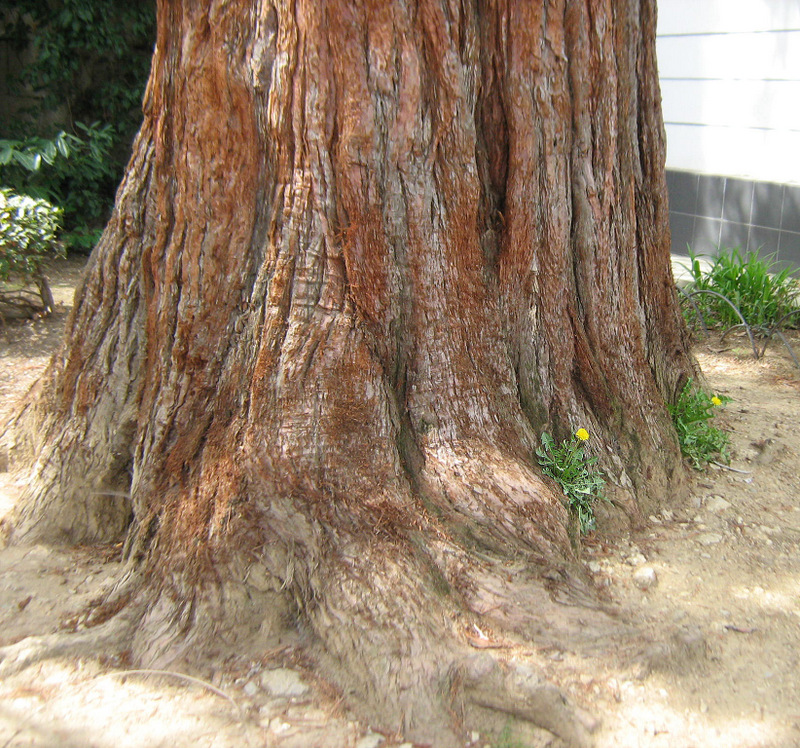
x: 711, y: 586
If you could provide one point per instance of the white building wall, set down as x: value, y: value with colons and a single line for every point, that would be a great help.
x: 730, y: 81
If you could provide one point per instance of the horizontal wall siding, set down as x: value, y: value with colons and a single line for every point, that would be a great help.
x: 765, y: 105
x: 760, y: 55
x: 767, y: 155
x: 726, y: 16
x: 730, y: 78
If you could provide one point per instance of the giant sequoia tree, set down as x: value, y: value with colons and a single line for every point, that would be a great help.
x: 363, y: 255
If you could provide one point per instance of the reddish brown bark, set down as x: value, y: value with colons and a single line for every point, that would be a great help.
x: 365, y: 253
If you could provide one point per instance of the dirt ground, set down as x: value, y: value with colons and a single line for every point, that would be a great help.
x: 712, y: 586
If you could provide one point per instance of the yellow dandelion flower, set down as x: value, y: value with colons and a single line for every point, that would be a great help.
x: 716, y: 400
x: 582, y: 434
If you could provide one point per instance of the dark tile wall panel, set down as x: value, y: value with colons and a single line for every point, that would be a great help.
x: 682, y: 188
x: 764, y: 241
x: 710, y: 194
x: 790, y: 219
x: 738, y: 202
x: 767, y: 203
x: 789, y: 250
x: 682, y: 227
x: 708, y: 212
x: 734, y: 235
x: 706, y: 232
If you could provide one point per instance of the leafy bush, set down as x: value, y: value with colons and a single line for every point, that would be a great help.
x: 72, y: 171
x: 569, y: 466
x: 90, y: 56
x: 28, y: 233
x: 700, y: 442
x: 85, y: 61
x: 763, y: 295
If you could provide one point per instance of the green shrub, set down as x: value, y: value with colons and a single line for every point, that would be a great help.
x: 85, y: 61
x: 569, y: 466
x: 28, y: 234
x: 700, y: 441
x: 72, y: 171
x: 753, y: 284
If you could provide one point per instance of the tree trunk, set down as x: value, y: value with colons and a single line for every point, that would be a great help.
x: 364, y: 254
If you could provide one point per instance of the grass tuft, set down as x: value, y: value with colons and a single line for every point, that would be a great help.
x: 763, y: 294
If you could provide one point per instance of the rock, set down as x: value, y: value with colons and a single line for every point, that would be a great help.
x: 283, y: 682
x: 595, y: 567
x: 370, y: 740
x: 251, y: 688
x: 709, y: 538
x: 645, y: 578
x: 667, y: 515
x: 636, y: 559
x: 717, y: 505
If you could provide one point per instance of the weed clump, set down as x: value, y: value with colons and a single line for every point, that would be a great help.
x: 701, y: 442
x: 570, y: 467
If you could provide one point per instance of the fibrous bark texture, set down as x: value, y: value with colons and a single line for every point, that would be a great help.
x: 364, y: 254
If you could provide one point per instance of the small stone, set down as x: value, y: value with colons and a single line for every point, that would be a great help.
x: 283, y: 682
x: 645, y: 578
x: 667, y: 515
x: 655, y: 520
x: 474, y: 736
x: 370, y: 740
x: 278, y: 726
x: 636, y: 559
x: 709, y: 538
x: 717, y: 505
x: 250, y: 689
x: 595, y: 567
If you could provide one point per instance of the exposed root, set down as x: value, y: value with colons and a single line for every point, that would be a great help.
x: 519, y: 691
x: 34, y: 649
x: 112, y: 635
x: 180, y: 676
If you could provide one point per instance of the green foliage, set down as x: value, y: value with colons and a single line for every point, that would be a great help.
x: 763, y: 294
x: 91, y: 56
x: 570, y: 467
x: 74, y: 172
x: 31, y: 153
x: 700, y: 441
x: 28, y: 232
x: 89, y: 63
x: 506, y: 739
